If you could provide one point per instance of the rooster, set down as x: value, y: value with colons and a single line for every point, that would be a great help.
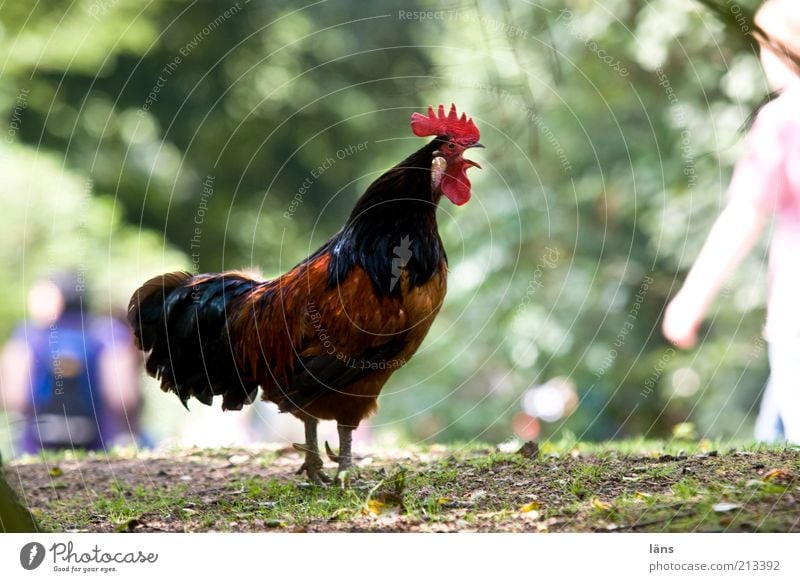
x: 322, y: 339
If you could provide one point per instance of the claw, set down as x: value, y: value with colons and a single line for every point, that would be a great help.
x: 331, y: 455
x: 314, y: 474
x: 336, y: 458
x: 320, y: 479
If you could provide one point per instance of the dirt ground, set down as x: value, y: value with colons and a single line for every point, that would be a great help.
x: 438, y: 489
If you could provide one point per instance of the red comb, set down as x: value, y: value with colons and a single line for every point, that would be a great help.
x: 459, y: 129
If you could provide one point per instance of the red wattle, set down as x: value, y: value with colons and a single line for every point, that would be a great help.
x: 456, y: 186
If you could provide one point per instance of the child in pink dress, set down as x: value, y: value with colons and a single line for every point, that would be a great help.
x: 766, y: 181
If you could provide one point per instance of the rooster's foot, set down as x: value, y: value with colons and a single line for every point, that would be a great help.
x: 314, y: 473
x: 345, y: 456
x: 312, y: 466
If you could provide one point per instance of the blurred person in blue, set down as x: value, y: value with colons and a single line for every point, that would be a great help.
x: 72, y: 376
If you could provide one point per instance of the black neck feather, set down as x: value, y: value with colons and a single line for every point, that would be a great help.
x: 392, y: 228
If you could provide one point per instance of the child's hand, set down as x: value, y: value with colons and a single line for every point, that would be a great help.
x: 682, y: 319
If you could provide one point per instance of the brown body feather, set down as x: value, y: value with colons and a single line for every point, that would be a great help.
x: 322, y: 339
x: 304, y: 318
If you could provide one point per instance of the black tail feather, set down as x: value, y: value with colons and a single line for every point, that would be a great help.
x: 183, y: 322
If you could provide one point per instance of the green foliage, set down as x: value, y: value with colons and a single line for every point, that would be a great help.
x: 53, y: 220
x: 610, y: 128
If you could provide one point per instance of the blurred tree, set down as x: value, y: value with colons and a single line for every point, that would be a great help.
x: 611, y: 128
x: 53, y: 221
x: 254, y: 95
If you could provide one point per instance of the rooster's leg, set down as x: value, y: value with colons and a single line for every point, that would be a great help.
x: 345, y: 456
x: 345, y: 448
x: 312, y: 466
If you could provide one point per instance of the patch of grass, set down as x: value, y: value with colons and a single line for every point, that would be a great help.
x: 686, y: 488
x: 568, y: 444
x: 626, y: 486
x: 271, y: 500
x: 659, y: 471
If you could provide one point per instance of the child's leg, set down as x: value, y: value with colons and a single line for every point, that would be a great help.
x: 769, y: 428
x: 784, y: 362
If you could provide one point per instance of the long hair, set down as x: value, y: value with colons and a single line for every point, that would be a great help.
x: 752, y: 36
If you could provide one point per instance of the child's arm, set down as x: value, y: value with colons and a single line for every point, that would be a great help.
x: 756, y: 189
x: 733, y: 235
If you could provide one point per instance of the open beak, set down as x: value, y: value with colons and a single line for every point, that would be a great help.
x: 470, y: 163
